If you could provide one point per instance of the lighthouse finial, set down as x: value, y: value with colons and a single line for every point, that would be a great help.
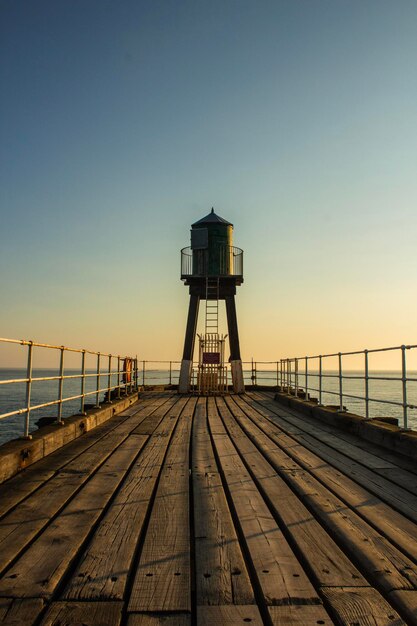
x: 212, y: 209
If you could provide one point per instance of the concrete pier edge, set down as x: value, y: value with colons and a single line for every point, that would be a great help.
x: 18, y: 454
x: 375, y: 430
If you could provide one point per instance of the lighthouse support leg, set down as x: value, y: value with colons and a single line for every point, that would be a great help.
x: 187, y: 357
x: 235, y: 358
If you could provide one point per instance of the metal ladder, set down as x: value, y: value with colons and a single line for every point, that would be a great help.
x: 212, y: 305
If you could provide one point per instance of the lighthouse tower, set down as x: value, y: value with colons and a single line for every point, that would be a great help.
x: 212, y: 268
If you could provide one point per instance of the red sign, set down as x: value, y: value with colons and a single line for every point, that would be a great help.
x: 212, y: 358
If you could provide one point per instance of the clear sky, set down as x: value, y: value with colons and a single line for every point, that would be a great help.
x: 122, y: 122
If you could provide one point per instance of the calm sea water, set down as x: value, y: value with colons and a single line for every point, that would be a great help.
x: 12, y: 397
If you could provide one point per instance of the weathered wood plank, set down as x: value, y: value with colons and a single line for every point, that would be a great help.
x: 21, y: 525
x: 360, y: 606
x: 228, y: 615
x: 19, y: 612
x: 405, y: 463
x: 301, y: 615
x: 221, y: 575
x: 20, y: 486
x: 39, y: 570
x: 384, y: 564
x: 83, y: 613
x: 278, y: 571
x: 103, y: 570
x: 397, y: 528
x: 326, y: 561
x: 399, y: 487
x: 158, y: 619
x: 406, y: 603
x: 163, y: 577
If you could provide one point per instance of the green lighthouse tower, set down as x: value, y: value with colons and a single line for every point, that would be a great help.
x: 212, y: 268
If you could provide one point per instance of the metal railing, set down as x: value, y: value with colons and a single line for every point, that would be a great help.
x: 221, y: 261
x: 123, y: 379
x: 158, y: 372
x: 299, y: 376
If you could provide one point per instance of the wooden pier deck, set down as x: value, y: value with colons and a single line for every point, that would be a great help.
x: 208, y: 511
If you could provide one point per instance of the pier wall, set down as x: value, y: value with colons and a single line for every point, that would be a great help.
x: 20, y: 453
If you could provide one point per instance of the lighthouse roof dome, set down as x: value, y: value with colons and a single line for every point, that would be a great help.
x: 212, y: 218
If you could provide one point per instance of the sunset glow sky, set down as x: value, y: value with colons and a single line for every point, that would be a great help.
x: 122, y: 123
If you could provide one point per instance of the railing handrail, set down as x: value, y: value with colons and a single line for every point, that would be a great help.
x: 288, y: 373
x: 127, y: 378
x: 352, y: 352
x: 35, y: 344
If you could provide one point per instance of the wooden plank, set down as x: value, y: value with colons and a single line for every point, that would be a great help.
x: 400, y: 482
x: 39, y: 570
x: 302, y: 615
x: 400, y: 530
x: 23, y: 523
x: 83, y: 613
x: 156, y: 619
x: 103, y: 570
x: 19, y: 487
x: 278, y: 572
x: 367, y: 548
x: 148, y: 425
x: 163, y: 577
x: 221, y: 575
x: 360, y: 606
x: 19, y: 612
x: 327, y: 564
x: 228, y: 615
x: 406, y: 603
x: 267, y: 398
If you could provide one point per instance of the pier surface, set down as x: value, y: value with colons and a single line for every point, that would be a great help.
x: 185, y: 510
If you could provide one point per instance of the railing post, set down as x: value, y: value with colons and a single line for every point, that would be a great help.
x: 109, y: 381
x: 366, y: 384
x: 306, y: 377
x: 170, y: 372
x: 143, y: 373
x: 296, y: 377
x: 98, y: 382
x: 256, y: 374
x: 136, y: 374
x: 404, y: 384
x: 320, y: 379
x: 340, y: 383
x: 277, y: 376
x: 118, y: 377
x: 289, y: 376
x: 82, y: 410
x: 61, y: 385
x: 28, y: 389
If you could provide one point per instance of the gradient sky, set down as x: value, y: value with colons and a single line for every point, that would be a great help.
x: 122, y: 122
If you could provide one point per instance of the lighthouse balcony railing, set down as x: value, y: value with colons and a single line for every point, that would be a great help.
x: 222, y: 261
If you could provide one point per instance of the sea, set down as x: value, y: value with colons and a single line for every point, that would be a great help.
x: 12, y: 396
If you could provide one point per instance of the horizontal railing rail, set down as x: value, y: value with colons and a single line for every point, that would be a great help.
x: 151, y: 373
x: 122, y: 378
